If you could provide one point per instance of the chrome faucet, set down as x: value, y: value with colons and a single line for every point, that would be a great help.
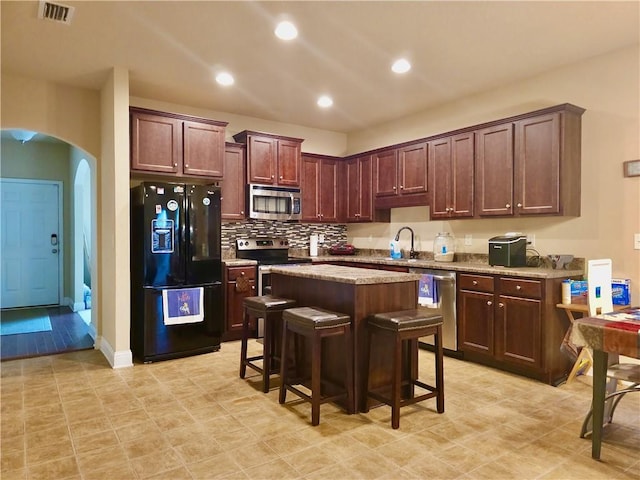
x: 412, y: 252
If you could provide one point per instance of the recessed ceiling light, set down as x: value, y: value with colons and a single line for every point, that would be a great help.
x: 286, y: 31
x: 225, y: 78
x: 325, y: 101
x: 401, y: 66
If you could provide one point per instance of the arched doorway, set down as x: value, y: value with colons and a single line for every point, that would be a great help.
x: 47, y: 159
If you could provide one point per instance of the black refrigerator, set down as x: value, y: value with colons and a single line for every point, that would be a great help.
x: 176, y: 270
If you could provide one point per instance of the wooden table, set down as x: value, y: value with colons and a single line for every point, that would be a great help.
x: 583, y: 354
x: 357, y: 292
x: 615, y: 332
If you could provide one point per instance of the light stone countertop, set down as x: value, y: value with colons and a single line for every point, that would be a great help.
x: 463, y: 267
x: 340, y: 274
x: 239, y: 262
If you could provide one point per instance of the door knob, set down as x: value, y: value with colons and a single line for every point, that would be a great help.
x: 54, y: 250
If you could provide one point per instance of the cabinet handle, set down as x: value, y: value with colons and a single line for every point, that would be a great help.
x: 253, y: 287
x: 519, y: 205
x: 186, y: 166
x: 518, y: 287
x: 175, y: 164
x: 280, y: 177
x: 401, y: 187
x: 475, y: 282
x: 508, y: 205
x: 394, y: 187
x: 500, y: 305
x: 272, y: 177
x: 489, y: 302
x: 242, y: 212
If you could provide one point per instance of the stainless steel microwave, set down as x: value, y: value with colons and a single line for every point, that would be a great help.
x: 274, y: 203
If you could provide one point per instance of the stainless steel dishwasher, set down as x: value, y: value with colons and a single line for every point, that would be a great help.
x: 445, y: 285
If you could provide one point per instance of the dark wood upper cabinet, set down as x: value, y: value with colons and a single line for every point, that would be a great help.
x: 400, y: 176
x: 451, y: 167
x: 531, y: 165
x: 272, y: 159
x: 320, y: 189
x: 177, y: 145
x: 233, y: 187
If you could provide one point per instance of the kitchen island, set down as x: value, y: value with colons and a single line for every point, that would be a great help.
x: 357, y: 292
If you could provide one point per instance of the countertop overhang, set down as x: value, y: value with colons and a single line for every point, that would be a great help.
x: 464, y: 267
x: 341, y: 274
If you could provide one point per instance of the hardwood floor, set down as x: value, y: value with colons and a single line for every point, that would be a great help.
x: 68, y: 333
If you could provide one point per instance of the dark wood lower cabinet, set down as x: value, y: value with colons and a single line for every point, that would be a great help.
x: 240, y: 282
x: 512, y: 323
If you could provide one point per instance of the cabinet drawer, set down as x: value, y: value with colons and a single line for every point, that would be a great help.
x: 234, y: 272
x: 521, y: 288
x: 481, y: 283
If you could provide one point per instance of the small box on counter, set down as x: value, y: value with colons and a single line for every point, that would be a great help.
x: 579, y: 291
x: 621, y: 291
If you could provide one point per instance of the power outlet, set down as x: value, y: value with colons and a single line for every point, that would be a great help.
x: 531, y: 240
x: 636, y: 241
x: 468, y: 240
x: 321, y: 238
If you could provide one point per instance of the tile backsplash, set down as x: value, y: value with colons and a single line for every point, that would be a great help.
x: 297, y: 233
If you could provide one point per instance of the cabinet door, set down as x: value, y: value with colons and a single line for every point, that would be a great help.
x: 156, y: 143
x: 353, y: 191
x: 239, y: 285
x: 413, y: 169
x: 494, y: 170
x: 537, y: 165
x: 365, y: 172
x: 441, y: 185
x: 519, y: 331
x: 386, y: 173
x: 462, y: 188
x: 328, y: 191
x: 288, y: 163
x: 310, y: 189
x: 476, y: 311
x: 233, y: 187
x: 203, y: 149
x: 261, y: 155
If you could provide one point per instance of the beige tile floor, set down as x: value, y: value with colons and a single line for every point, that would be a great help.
x: 71, y: 416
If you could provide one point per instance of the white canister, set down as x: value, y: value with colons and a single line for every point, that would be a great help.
x: 566, y: 292
x: 313, y: 246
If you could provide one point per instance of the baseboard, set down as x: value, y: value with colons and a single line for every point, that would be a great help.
x: 121, y: 359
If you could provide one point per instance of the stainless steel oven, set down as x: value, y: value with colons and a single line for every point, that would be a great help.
x: 268, y: 252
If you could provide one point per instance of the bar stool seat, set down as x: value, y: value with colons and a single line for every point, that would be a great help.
x: 270, y: 308
x: 316, y: 324
x: 401, y: 326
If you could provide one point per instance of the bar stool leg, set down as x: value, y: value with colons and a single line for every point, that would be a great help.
x: 243, y: 345
x: 266, y: 355
x: 316, y: 369
x: 348, y: 350
x: 367, y: 363
x: 283, y: 363
x: 439, y: 371
x: 396, y: 383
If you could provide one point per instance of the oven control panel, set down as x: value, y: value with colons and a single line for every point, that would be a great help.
x: 267, y: 243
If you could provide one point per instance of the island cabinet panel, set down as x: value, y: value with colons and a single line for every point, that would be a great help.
x: 401, y: 176
x: 512, y: 323
x: 233, y: 196
x: 178, y: 145
x: 272, y: 159
x: 320, y: 189
x: 240, y: 282
x: 531, y: 165
x: 451, y: 167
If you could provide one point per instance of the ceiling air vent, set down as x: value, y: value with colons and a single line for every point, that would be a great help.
x: 56, y: 12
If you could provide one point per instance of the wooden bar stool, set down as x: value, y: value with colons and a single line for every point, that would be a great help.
x: 406, y: 325
x: 316, y: 324
x: 270, y: 308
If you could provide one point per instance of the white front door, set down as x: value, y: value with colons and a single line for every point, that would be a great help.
x: 30, y: 243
